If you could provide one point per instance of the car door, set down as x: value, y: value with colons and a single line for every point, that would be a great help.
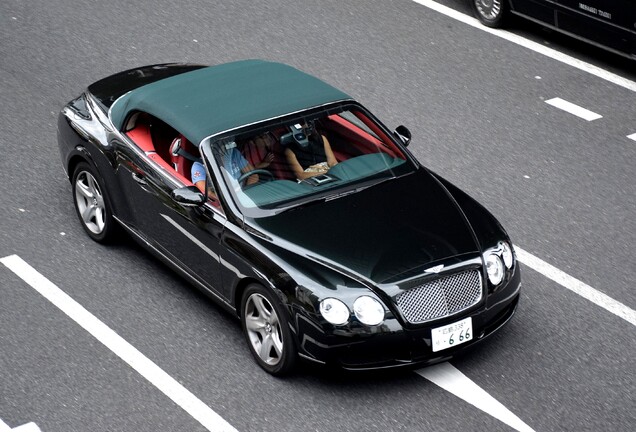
x: 606, y: 22
x: 187, y: 236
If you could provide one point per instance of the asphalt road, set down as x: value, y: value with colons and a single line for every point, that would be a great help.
x: 564, y: 188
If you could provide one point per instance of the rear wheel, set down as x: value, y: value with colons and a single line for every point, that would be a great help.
x: 491, y: 13
x: 92, y: 204
x: 266, y: 330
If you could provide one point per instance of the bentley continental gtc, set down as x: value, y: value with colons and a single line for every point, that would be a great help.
x: 293, y: 207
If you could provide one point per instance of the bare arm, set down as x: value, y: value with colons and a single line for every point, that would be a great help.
x: 298, y: 170
x: 331, y: 158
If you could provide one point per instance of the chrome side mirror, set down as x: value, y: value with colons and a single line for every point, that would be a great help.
x: 189, y: 196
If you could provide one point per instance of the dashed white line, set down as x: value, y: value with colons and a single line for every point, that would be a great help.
x: 28, y: 427
x: 632, y: 136
x: 573, y: 109
x: 541, y: 49
x: 118, y: 345
x: 576, y: 286
x: 452, y: 380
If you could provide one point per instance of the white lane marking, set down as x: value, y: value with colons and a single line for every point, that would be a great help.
x: 632, y: 136
x: 28, y: 427
x: 573, y: 109
x: 541, y: 49
x: 452, y: 380
x: 576, y: 286
x: 128, y: 353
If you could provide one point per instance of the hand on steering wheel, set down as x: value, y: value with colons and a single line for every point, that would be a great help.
x: 269, y: 175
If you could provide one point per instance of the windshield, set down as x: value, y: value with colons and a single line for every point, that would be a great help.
x: 308, y: 158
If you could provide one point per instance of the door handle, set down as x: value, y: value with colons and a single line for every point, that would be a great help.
x: 139, y: 179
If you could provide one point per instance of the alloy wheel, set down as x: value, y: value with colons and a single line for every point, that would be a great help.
x: 90, y: 202
x: 263, y: 329
x: 488, y: 9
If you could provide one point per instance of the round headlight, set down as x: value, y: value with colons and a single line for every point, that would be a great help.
x: 368, y: 310
x: 506, y: 254
x: 495, y: 268
x: 334, y: 311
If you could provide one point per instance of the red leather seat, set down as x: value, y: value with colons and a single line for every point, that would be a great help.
x: 141, y: 136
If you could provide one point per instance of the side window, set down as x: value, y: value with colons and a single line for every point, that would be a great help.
x: 164, y: 145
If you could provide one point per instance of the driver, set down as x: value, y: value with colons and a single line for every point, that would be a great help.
x: 233, y: 161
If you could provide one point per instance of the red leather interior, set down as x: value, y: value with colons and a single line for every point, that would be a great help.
x: 163, y: 164
x: 141, y: 136
x: 362, y: 140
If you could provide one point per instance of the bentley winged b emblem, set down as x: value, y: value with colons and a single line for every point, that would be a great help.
x: 436, y: 269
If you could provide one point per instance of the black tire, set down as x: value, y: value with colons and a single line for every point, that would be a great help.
x: 491, y: 13
x: 264, y: 319
x: 92, y: 204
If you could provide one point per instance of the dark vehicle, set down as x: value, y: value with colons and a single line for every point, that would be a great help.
x: 362, y: 258
x: 610, y: 24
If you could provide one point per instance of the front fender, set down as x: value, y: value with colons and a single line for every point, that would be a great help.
x: 82, y: 137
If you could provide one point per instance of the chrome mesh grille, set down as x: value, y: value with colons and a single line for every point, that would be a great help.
x: 440, y: 297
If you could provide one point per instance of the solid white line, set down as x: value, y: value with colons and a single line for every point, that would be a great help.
x: 576, y: 286
x: 573, y: 109
x: 144, y: 366
x: 452, y: 380
x: 541, y: 49
x: 632, y: 136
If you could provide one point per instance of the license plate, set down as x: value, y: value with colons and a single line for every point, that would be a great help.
x: 452, y: 334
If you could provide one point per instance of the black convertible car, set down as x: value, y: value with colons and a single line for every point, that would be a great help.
x: 610, y: 24
x: 294, y: 208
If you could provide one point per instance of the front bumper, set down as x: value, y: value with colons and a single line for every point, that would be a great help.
x: 393, y: 345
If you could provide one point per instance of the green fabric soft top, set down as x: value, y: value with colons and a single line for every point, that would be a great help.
x: 217, y: 98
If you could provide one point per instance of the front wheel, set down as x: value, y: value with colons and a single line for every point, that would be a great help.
x: 491, y: 13
x: 92, y: 204
x: 266, y: 330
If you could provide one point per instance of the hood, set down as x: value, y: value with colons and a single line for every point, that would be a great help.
x: 383, y: 232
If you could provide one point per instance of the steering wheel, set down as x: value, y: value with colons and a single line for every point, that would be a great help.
x: 269, y: 175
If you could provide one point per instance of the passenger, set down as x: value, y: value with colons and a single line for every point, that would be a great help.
x: 311, y: 155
